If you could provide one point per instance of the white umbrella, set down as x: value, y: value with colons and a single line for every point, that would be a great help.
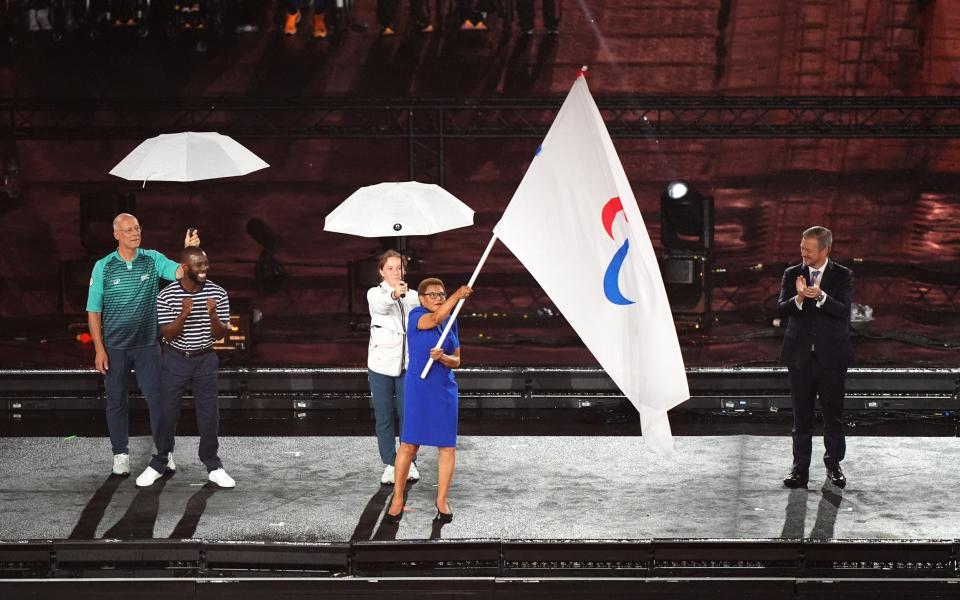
x: 188, y: 156
x: 399, y: 209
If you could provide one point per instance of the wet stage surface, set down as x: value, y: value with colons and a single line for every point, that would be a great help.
x: 325, y: 488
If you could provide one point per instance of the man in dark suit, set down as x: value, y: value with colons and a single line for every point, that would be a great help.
x: 815, y: 301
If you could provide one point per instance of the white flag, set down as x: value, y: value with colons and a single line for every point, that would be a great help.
x: 575, y: 225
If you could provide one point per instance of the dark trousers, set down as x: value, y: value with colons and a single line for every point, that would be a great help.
x: 146, y: 364
x: 807, y: 383
x: 199, y: 373
x: 387, y: 11
x: 525, y: 13
x: 387, y: 394
x: 467, y: 11
x: 293, y: 6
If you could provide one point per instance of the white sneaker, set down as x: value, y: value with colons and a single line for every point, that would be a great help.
x: 387, y: 477
x: 148, y: 477
x: 171, y: 466
x: 43, y: 19
x: 413, y: 474
x: 221, y: 478
x: 121, y: 464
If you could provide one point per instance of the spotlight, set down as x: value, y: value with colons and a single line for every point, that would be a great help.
x: 686, y: 233
x: 677, y: 190
x: 686, y: 218
x: 269, y: 272
x: 11, y: 180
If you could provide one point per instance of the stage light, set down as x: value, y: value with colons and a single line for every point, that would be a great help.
x: 10, y: 185
x: 269, y: 272
x: 686, y: 218
x: 677, y: 190
x: 686, y: 234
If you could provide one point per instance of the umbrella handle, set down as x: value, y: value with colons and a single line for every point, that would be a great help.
x: 146, y: 178
x: 456, y: 310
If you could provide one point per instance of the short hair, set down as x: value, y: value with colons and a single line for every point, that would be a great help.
x: 120, y: 217
x: 191, y: 251
x: 392, y: 254
x: 823, y: 236
x: 422, y: 288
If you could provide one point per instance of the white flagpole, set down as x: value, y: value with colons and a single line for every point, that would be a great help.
x: 456, y: 310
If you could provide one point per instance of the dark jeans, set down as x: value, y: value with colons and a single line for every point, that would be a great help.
x: 293, y: 6
x: 387, y: 11
x: 525, y: 12
x: 199, y: 373
x: 387, y: 393
x: 146, y: 364
x: 807, y: 383
x: 467, y: 11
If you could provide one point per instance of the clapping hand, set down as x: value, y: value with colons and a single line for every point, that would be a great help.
x: 806, y: 291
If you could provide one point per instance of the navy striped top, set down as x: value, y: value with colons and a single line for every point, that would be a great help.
x: 197, y: 333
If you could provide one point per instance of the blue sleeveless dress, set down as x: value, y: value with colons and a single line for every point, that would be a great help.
x: 429, y: 405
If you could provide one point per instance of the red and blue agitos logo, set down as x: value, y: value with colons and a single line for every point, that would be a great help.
x: 611, y: 278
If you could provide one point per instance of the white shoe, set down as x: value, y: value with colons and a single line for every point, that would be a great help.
x: 43, y: 19
x: 413, y: 474
x: 148, y: 477
x: 32, y: 23
x: 221, y: 478
x: 387, y: 477
x: 121, y: 464
x: 171, y: 466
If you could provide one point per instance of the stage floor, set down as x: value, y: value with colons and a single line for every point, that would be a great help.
x: 312, y: 489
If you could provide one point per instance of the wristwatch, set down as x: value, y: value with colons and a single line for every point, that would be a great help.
x: 821, y: 297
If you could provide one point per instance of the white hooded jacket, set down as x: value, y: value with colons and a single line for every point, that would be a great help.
x: 387, y: 351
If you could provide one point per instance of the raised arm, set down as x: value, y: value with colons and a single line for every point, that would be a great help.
x: 434, y: 319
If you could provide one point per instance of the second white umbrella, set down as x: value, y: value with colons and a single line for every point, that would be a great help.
x: 399, y: 209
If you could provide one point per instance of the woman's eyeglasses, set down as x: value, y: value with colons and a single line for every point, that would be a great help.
x: 435, y: 295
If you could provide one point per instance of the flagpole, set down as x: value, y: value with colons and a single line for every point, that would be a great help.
x: 456, y: 310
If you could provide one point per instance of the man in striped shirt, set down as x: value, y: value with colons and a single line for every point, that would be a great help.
x: 193, y: 313
x: 122, y: 316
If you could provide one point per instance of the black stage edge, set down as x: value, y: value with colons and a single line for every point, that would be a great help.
x: 482, y: 569
x: 304, y: 389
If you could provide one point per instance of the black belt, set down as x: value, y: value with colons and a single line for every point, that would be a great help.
x: 189, y: 353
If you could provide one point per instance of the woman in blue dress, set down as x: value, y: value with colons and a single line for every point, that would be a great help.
x: 430, y: 405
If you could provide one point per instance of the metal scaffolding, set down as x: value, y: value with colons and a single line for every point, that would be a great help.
x: 427, y: 123
x: 661, y: 117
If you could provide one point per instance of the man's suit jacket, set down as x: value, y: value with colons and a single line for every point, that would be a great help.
x: 825, y: 329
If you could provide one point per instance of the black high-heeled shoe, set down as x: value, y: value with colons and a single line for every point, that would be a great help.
x: 442, y: 516
x: 393, y: 519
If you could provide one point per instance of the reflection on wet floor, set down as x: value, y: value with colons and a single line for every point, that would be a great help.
x: 594, y: 421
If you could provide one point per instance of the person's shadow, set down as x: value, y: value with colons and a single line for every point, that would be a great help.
x: 371, y: 514
x: 376, y: 507
x: 436, y: 530
x: 137, y: 523
x: 92, y: 514
x: 796, y: 513
x: 196, y: 506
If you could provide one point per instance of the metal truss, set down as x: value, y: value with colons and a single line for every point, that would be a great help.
x: 427, y: 121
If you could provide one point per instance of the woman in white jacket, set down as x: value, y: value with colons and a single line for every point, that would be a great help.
x: 390, y: 303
